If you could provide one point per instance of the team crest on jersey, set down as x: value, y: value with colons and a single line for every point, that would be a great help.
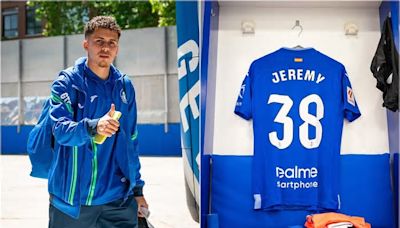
x: 350, y: 97
x: 123, y: 96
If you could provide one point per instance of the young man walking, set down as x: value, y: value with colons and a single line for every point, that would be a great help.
x: 94, y: 185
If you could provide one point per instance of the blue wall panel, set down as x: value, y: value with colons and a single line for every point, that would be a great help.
x: 13, y: 142
x: 365, y: 191
x: 152, y: 140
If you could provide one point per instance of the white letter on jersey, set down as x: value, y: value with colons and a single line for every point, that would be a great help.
x: 320, y: 78
x: 299, y: 74
x: 276, y: 77
x: 310, y: 74
x: 282, y: 117
x: 283, y: 75
x: 291, y: 74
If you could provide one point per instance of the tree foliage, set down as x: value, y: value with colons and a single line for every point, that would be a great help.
x: 165, y: 10
x: 70, y: 17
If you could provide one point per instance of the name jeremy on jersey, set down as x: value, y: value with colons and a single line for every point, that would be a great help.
x: 297, y: 74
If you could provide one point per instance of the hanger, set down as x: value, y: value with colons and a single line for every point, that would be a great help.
x: 298, y: 47
x: 297, y: 24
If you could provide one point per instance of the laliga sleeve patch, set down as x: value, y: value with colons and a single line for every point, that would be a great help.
x: 350, y: 96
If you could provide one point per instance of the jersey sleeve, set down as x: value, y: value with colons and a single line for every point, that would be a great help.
x: 243, y: 106
x: 350, y: 107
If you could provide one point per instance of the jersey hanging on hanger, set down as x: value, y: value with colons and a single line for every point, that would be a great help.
x: 386, y: 63
x: 297, y: 100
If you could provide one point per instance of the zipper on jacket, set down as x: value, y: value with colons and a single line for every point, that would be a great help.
x: 73, y: 175
x: 94, y: 174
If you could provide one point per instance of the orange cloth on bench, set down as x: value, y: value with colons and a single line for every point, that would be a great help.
x: 324, y: 219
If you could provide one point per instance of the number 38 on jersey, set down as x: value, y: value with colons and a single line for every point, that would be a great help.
x: 287, y: 121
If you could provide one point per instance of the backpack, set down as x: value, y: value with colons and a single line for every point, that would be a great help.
x: 40, y: 144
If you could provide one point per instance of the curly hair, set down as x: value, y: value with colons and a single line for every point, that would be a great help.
x: 106, y: 22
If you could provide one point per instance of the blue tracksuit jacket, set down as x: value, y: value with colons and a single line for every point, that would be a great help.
x: 82, y: 172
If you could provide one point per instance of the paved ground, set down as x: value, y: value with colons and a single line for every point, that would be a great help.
x: 24, y: 200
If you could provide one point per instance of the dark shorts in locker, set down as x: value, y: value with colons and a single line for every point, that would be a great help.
x: 117, y: 214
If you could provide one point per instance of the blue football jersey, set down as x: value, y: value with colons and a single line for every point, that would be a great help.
x: 298, y: 99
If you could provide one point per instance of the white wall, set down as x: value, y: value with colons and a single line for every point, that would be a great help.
x: 323, y: 30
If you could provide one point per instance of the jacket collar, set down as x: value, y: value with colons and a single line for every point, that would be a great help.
x: 78, y: 72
